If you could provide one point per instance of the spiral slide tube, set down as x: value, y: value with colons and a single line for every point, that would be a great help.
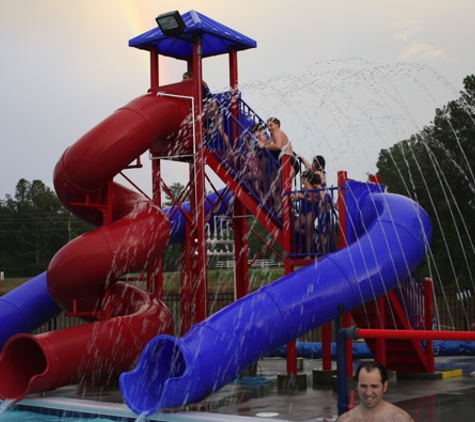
x: 173, y: 372
x: 82, y: 276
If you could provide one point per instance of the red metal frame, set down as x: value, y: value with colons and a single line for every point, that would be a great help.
x: 287, y: 237
x: 154, y: 67
x: 428, y: 312
x: 416, y: 334
x: 342, y: 177
x: 194, y: 287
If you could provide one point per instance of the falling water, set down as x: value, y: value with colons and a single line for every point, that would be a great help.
x: 141, y: 418
x: 350, y: 110
x: 4, y: 405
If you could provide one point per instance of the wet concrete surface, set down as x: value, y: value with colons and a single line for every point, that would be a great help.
x: 435, y: 399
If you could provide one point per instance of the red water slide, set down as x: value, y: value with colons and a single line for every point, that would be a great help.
x: 82, y: 276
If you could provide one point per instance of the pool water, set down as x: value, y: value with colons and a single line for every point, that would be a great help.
x: 15, y: 415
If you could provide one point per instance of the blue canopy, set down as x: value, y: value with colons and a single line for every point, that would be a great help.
x: 215, y: 37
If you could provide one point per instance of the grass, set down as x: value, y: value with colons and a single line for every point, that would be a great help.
x: 10, y: 284
x: 221, y: 280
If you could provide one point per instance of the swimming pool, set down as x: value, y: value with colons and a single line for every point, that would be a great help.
x: 64, y: 409
x: 17, y: 415
x: 21, y: 413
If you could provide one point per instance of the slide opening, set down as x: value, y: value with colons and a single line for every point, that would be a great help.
x: 160, y: 361
x: 22, y: 360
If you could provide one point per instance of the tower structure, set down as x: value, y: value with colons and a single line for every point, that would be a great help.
x: 192, y: 37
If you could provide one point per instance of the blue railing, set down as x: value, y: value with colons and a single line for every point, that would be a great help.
x: 314, y: 231
x: 228, y: 135
x: 228, y: 123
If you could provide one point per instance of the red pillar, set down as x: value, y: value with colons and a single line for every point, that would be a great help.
x: 342, y: 178
x: 155, y: 270
x: 326, y: 347
x: 346, y: 319
x: 287, y: 236
x: 381, y: 324
x: 241, y: 255
x: 185, y: 285
x: 197, y: 247
x: 241, y: 252
x: 233, y: 69
x: 428, y: 311
x: 154, y: 72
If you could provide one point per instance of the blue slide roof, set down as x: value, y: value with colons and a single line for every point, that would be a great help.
x: 216, y: 38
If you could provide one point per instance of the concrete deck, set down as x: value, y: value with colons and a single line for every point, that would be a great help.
x: 432, y: 399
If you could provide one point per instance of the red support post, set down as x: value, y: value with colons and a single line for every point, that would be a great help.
x: 292, y: 358
x: 197, y: 246
x: 381, y: 323
x: 240, y: 224
x: 326, y: 347
x: 233, y: 69
x: 157, y: 272
x: 428, y: 311
x: 375, y: 178
x: 287, y: 235
x: 241, y: 253
x: 346, y: 322
x: 342, y: 178
x: 185, y: 286
x: 346, y: 319
x: 154, y: 72
x: 286, y: 212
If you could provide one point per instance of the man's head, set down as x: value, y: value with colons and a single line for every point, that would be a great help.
x: 371, y: 382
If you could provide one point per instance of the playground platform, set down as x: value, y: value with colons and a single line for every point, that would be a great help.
x: 444, y: 397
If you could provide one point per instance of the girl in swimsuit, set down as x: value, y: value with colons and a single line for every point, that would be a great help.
x: 317, y: 166
x: 279, y: 146
x: 310, y: 201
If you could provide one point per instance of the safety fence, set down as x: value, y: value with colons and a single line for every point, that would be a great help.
x: 452, y: 311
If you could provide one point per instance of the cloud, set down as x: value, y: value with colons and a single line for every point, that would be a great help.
x: 407, y: 28
x: 416, y: 50
x: 407, y: 32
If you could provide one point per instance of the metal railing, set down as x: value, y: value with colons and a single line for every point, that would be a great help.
x: 229, y: 137
x: 451, y: 313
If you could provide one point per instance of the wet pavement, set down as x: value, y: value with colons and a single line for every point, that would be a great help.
x: 448, y: 395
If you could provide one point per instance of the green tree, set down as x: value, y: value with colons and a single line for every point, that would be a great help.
x: 435, y: 168
x: 177, y: 190
x: 33, y: 227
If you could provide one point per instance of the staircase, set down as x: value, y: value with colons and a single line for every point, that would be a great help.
x: 394, y: 311
x: 230, y: 161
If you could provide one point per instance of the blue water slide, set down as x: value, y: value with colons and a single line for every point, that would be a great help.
x: 218, y: 203
x: 26, y: 308
x: 391, y: 234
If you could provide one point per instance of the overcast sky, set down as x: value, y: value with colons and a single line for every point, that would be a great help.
x: 346, y: 77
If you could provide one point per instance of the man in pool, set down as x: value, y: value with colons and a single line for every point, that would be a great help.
x: 371, y: 382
